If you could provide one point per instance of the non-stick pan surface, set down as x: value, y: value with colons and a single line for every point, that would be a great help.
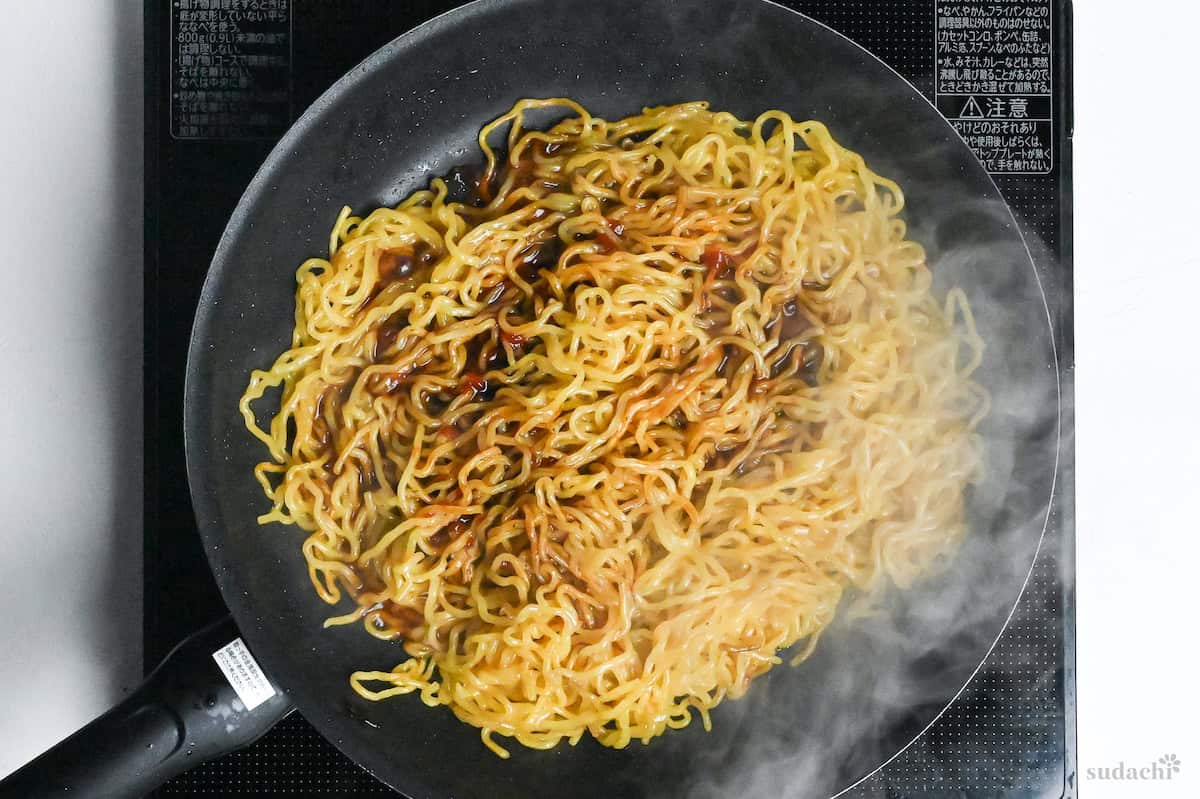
x: 413, y: 110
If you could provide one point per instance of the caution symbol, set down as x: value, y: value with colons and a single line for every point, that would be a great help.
x: 971, y: 110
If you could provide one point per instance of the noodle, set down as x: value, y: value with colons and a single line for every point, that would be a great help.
x: 599, y: 445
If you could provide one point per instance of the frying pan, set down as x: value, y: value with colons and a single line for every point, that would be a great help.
x: 412, y: 110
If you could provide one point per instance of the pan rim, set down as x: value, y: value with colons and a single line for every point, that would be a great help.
x: 228, y: 579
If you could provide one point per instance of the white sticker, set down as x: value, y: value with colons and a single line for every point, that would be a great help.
x: 243, y: 673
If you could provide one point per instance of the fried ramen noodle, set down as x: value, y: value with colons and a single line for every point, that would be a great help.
x: 598, y: 444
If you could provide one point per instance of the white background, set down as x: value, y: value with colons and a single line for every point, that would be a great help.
x: 70, y: 357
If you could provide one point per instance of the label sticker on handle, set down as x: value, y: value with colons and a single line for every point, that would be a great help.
x: 242, y: 670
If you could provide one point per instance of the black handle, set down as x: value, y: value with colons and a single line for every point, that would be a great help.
x: 185, y: 713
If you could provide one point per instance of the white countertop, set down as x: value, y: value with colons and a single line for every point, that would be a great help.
x: 71, y: 348
x: 71, y: 361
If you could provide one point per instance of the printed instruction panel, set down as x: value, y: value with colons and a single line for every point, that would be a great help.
x: 993, y: 80
x: 231, y: 68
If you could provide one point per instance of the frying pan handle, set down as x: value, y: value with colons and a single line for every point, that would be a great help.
x: 185, y: 713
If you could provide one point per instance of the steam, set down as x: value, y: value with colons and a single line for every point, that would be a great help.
x: 875, y: 683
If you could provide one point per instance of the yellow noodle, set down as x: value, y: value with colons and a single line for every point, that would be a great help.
x: 597, y: 493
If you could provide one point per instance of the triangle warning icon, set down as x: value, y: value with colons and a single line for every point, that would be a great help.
x: 971, y: 110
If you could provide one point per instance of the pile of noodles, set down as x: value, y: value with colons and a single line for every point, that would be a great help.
x: 599, y: 441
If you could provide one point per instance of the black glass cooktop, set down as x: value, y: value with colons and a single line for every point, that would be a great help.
x: 225, y: 78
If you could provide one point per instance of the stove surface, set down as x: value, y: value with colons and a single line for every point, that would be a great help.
x: 1010, y: 733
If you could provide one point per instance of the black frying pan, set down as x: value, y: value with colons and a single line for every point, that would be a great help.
x: 412, y: 110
